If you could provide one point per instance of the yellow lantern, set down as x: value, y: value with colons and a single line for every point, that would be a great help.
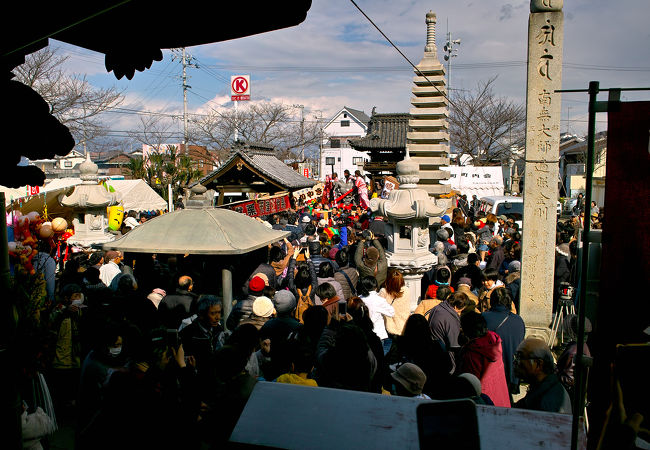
x: 115, y: 217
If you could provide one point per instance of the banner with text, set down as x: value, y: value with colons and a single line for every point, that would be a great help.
x: 261, y: 206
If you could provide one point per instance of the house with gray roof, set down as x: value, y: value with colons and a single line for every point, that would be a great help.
x: 346, y: 125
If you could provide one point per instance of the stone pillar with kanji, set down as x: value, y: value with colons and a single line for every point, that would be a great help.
x: 543, y: 110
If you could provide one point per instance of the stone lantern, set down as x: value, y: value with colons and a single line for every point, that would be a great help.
x: 89, y: 201
x: 408, y: 210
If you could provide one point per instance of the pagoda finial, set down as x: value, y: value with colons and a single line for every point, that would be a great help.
x: 431, y: 33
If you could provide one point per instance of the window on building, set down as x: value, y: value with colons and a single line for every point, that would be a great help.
x: 345, y: 115
x: 335, y: 143
x: 357, y: 160
x: 345, y: 123
x: 330, y: 160
x: 67, y: 164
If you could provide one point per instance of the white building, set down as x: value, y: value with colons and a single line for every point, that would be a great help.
x: 336, y: 153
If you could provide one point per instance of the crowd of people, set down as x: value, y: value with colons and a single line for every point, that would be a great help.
x: 141, y: 353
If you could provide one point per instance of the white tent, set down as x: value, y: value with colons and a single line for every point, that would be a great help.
x: 134, y: 195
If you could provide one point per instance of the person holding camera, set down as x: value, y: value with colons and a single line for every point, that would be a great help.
x: 370, y: 258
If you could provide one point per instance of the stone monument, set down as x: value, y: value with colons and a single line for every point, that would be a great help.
x: 409, y: 211
x: 543, y: 110
x: 89, y: 201
x: 427, y: 139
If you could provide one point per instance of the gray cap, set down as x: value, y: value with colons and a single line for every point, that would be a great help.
x: 514, y: 266
x: 285, y: 302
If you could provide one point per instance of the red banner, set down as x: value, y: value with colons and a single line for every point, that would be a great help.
x: 261, y: 206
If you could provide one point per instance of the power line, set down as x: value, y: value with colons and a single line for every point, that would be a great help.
x: 419, y: 72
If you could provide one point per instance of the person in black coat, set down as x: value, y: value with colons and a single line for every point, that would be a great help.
x: 181, y: 305
x: 511, y: 329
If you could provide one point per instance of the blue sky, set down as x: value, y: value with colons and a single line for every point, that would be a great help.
x: 335, y: 58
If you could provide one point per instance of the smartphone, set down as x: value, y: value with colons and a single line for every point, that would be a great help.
x: 448, y: 424
x: 343, y: 309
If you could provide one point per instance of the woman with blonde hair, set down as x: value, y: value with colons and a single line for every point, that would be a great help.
x: 396, y: 295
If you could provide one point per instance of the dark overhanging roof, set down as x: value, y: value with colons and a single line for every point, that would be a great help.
x: 385, y: 131
x: 261, y: 159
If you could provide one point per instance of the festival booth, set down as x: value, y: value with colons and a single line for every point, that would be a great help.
x: 200, y: 229
x: 254, y: 171
x: 134, y: 195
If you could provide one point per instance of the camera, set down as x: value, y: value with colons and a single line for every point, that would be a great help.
x: 566, y: 291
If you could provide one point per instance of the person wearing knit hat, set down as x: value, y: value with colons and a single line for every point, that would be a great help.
x: 243, y: 309
x: 285, y: 302
x: 263, y: 307
x: 257, y: 284
x: 410, y: 381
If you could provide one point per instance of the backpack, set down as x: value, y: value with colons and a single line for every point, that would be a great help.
x: 304, y: 302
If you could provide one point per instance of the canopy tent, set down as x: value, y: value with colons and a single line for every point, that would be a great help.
x: 200, y: 231
x: 208, y: 231
x: 134, y: 195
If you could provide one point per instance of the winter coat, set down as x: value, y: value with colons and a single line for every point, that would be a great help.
x: 335, y: 284
x: 241, y: 311
x: 175, y: 307
x: 513, y: 284
x: 510, y: 327
x: 445, y: 326
x: 402, y: 307
x: 353, y: 275
x: 549, y: 395
x: 425, y: 306
x: 379, y: 272
x: 496, y: 258
x: 483, y: 357
x: 378, y: 308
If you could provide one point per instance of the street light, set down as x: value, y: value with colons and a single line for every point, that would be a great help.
x: 302, y: 129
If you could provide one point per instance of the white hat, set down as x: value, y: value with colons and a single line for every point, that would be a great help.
x: 263, y: 307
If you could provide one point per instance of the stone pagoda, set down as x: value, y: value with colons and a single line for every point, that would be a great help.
x: 409, y: 210
x: 428, y: 136
x: 89, y: 201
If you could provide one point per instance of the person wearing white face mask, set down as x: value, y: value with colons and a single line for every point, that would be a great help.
x: 107, y: 357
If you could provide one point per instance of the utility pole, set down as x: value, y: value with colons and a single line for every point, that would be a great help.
x: 302, y: 130
x: 451, y: 52
x: 186, y: 62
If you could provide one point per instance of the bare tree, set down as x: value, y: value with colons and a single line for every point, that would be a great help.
x: 266, y: 123
x: 485, y: 126
x: 73, y: 101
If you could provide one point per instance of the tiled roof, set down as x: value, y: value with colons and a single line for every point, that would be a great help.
x: 263, y: 160
x: 385, y: 131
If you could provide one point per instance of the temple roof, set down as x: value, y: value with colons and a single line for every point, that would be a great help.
x: 385, y: 131
x: 261, y: 160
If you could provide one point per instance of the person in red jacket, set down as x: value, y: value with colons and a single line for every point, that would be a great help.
x: 482, y: 356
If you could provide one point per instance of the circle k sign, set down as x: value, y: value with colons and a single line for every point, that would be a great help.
x: 240, y: 87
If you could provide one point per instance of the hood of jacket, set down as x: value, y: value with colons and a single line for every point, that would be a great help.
x: 489, y: 346
x: 512, y: 277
